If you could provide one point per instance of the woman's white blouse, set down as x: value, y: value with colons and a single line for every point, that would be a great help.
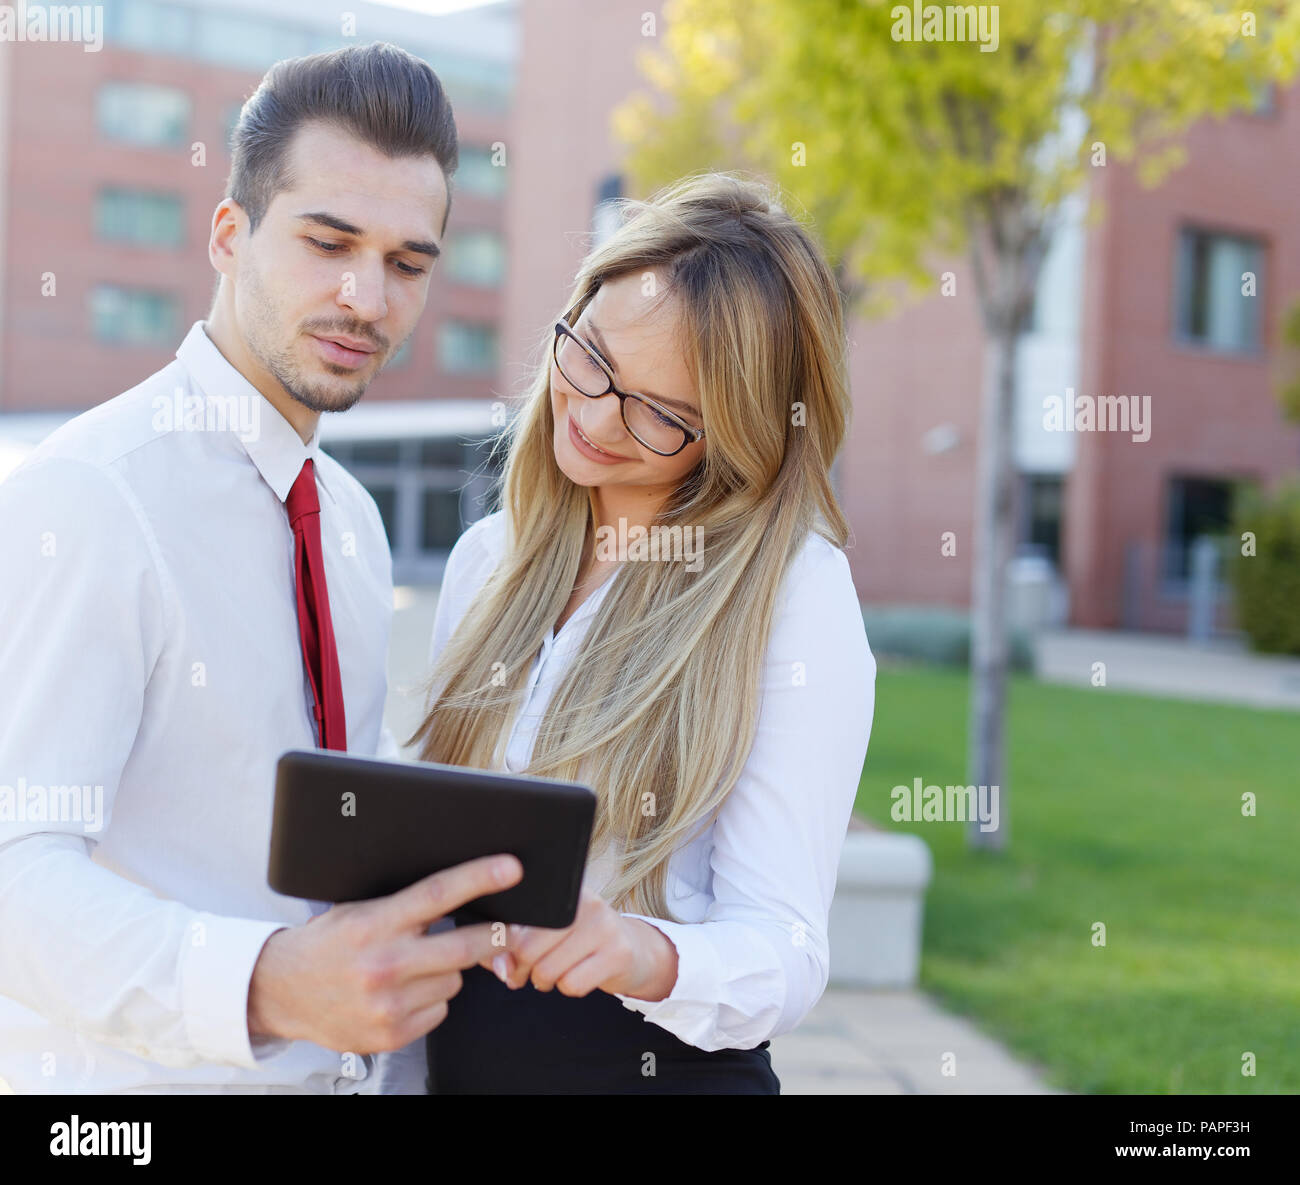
x: 755, y: 887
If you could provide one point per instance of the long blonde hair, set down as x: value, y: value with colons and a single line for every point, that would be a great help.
x: 657, y: 711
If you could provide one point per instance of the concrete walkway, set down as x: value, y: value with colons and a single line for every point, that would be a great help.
x: 895, y: 1042
x: 1222, y: 671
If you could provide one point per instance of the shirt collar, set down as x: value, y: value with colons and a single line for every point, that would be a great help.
x: 275, y: 447
x: 590, y: 604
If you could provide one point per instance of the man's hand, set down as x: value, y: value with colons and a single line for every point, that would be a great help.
x: 602, y: 949
x: 364, y: 976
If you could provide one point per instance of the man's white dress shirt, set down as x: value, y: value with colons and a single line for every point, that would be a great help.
x: 150, y: 654
x: 754, y: 888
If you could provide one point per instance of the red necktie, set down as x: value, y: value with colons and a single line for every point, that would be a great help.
x: 314, y: 624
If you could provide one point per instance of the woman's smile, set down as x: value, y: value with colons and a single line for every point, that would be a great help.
x: 588, y: 449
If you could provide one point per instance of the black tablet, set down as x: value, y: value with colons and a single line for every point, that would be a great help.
x: 348, y: 828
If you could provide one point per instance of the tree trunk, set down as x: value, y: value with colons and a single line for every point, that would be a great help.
x: 991, y: 553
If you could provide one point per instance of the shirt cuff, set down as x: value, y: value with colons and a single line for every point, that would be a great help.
x: 698, y: 973
x: 216, y: 970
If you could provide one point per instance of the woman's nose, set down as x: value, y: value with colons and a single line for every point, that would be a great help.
x: 600, y: 417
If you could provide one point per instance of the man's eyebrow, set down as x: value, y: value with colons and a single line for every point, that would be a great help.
x: 603, y: 351
x: 420, y: 246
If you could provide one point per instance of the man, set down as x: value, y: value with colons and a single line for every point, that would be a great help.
x: 188, y: 588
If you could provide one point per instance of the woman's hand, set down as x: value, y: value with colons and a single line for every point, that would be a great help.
x: 601, y: 950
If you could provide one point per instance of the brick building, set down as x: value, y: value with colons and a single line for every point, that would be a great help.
x: 1145, y: 302
x: 98, y: 189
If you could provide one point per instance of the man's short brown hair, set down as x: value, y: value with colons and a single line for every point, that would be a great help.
x: 380, y: 93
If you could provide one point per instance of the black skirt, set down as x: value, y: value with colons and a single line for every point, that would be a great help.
x: 498, y: 1041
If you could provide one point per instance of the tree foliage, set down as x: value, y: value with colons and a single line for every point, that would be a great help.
x: 913, y: 146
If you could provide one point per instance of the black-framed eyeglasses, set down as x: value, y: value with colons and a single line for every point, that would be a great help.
x: 650, y: 423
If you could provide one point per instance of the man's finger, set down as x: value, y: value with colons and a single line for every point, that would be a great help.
x: 435, y: 896
x: 422, y: 1023
x: 461, y: 948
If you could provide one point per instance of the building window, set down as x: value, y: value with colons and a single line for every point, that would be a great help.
x: 440, y: 524
x: 385, y: 497
x: 1197, y: 506
x: 476, y: 257
x: 376, y: 452
x: 1040, y: 516
x: 139, y: 217
x: 1054, y: 311
x: 441, y: 452
x: 134, y: 316
x: 150, y: 26
x: 605, y: 215
x: 247, y: 43
x: 143, y: 113
x: 470, y: 81
x: 477, y: 173
x: 427, y: 489
x: 467, y: 349
x: 1210, y: 307
x: 243, y: 41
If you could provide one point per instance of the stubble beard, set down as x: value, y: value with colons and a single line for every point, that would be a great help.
x: 278, y: 360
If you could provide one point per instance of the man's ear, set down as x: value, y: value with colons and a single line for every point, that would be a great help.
x: 228, y: 224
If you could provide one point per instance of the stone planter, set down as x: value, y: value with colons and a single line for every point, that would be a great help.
x: 876, y: 915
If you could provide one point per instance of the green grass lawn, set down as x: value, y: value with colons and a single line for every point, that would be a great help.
x: 1125, y: 810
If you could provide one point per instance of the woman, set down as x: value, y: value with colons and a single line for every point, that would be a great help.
x: 712, y: 684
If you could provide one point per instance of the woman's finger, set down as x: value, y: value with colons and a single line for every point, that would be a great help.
x: 580, y: 943
x: 536, y: 945
x: 531, y: 944
x: 585, y: 977
x: 502, y: 965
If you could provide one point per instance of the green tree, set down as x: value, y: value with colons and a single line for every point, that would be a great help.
x: 1264, y: 564
x: 1289, y: 388
x: 901, y: 146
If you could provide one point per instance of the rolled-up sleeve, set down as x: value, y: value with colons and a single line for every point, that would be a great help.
x: 85, y: 605
x: 758, y: 961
